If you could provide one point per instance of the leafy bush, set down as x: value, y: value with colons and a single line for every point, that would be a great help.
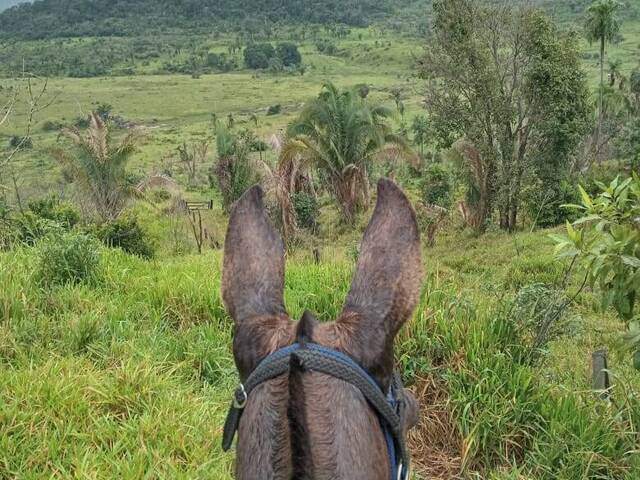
x: 545, y: 203
x: 436, y: 186
x: 327, y: 47
x: 257, y: 55
x: 233, y: 172
x: 125, y: 233
x: 606, y: 240
x: 289, y: 54
x: 69, y: 258
x: 307, y: 210
x: 53, y: 209
x: 44, y: 217
x: 274, y: 109
x: 538, y: 313
x: 23, y: 143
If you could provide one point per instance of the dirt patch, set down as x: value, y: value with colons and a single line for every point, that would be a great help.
x: 435, y: 443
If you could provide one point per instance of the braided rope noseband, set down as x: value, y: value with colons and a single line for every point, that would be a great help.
x: 390, y: 407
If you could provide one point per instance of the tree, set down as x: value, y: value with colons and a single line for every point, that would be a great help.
x: 99, y: 167
x: 289, y: 54
x: 257, y: 55
x: 420, y: 129
x: 507, y: 87
x: 233, y: 172
x: 341, y: 135
x: 602, y: 25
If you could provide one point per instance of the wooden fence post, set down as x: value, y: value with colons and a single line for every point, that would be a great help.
x: 600, y: 374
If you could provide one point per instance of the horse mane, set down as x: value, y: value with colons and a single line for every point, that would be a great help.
x: 301, y: 458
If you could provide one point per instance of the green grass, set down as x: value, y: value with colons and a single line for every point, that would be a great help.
x: 129, y: 376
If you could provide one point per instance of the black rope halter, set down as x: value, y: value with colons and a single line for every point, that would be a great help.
x: 390, y: 406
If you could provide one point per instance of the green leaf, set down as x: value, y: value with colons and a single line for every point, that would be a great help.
x: 636, y: 360
x: 631, y: 261
x: 586, y: 199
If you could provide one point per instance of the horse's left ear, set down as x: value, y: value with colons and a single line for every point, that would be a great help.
x: 386, y: 285
x: 253, y: 282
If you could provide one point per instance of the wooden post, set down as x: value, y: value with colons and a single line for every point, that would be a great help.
x: 600, y: 374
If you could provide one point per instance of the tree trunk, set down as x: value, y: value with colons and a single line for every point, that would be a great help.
x: 601, y: 99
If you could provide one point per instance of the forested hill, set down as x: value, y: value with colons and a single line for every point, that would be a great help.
x: 71, y: 18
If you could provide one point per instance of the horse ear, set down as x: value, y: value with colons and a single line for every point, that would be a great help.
x: 253, y: 281
x: 386, y: 285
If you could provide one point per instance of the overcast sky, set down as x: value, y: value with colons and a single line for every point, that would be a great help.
x: 9, y: 3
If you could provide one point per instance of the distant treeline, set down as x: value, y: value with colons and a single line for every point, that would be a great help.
x: 74, y: 18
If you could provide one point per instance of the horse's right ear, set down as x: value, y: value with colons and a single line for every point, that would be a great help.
x: 253, y: 282
x: 386, y: 285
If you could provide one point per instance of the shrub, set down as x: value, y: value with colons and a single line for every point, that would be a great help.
x: 52, y: 208
x: 274, y: 109
x: 69, y: 258
x: 545, y: 203
x: 539, y: 316
x: 436, y: 186
x: 257, y: 55
x: 30, y: 228
x: 44, y: 217
x: 126, y: 234
x: 289, y: 54
x: 307, y: 210
x: 23, y: 143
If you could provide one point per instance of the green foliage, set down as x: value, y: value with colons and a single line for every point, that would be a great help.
x: 539, y: 315
x: 82, y: 18
x: 327, y: 47
x: 22, y: 143
x: 342, y: 134
x: 420, y: 130
x: 606, y: 240
x: 523, y: 271
x: 545, y: 201
x: 233, y: 173
x: 99, y: 166
x: 469, y: 98
x: 307, y: 210
x: 44, y: 217
x: 127, y: 234
x: 288, y: 53
x: 602, y: 23
x: 436, y: 186
x: 274, y: 110
x: 258, y: 55
x: 69, y: 258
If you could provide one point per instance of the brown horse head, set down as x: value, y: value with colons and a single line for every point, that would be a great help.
x: 307, y: 425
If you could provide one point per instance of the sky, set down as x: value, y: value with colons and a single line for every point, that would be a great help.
x: 9, y: 3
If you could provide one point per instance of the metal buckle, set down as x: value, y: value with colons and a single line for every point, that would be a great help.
x: 402, y: 473
x: 240, y: 398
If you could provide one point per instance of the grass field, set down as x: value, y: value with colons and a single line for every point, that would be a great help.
x: 129, y: 375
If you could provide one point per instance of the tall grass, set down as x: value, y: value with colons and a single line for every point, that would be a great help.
x: 129, y: 375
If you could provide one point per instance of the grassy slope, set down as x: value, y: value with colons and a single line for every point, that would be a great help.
x: 132, y: 374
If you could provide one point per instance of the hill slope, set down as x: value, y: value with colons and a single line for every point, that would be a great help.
x: 71, y: 18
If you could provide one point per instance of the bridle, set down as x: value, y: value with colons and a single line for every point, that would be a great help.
x: 390, y: 407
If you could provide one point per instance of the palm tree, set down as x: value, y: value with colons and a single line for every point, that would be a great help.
x: 98, y: 167
x: 341, y: 135
x: 602, y: 25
